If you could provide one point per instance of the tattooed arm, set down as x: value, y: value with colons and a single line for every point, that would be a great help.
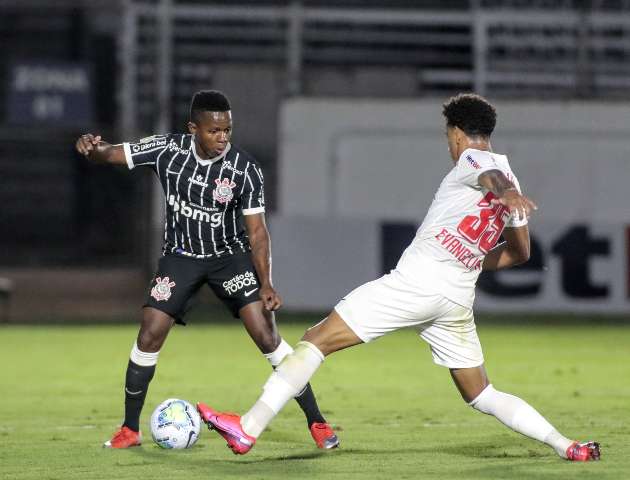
x: 515, y: 250
x: 507, y: 194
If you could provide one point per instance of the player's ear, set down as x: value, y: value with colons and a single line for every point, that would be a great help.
x: 460, y: 136
x: 192, y: 127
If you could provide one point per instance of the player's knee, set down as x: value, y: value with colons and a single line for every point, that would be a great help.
x: 153, y: 330
x: 319, y: 336
x: 148, y: 343
x: 331, y: 335
x: 151, y: 340
x: 322, y: 344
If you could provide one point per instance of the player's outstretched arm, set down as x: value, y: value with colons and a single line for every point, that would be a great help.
x: 507, y: 194
x: 94, y: 148
x: 514, y: 251
x: 261, y: 257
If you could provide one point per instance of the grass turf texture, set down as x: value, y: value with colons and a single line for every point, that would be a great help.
x: 398, y: 414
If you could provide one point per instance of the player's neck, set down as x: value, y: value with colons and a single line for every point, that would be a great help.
x: 204, y: 157
x: 475, y: 144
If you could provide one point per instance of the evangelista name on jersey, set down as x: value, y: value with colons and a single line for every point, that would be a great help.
x: 460, y: 228
x: 204, y: 200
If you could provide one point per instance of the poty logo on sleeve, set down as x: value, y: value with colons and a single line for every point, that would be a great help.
x: 473, y: 162
x: 162, y: 289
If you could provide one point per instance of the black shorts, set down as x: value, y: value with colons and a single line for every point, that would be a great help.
x: 233, y: 279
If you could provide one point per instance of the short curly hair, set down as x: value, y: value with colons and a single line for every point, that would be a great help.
x: 471, y: 113
x: 208, y: 101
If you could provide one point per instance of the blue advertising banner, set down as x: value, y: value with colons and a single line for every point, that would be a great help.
x: 50, y: 92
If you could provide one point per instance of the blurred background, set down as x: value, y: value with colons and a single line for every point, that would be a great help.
x: 340, y: 101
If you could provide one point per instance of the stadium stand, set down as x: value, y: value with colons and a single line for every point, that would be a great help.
x: 147, y: 56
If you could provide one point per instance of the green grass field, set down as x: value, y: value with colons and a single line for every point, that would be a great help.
x: 397, y: 413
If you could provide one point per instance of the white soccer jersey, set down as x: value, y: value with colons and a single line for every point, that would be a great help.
x: 460, y: 227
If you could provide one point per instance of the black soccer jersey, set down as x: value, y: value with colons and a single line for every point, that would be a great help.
x: 204, y: 200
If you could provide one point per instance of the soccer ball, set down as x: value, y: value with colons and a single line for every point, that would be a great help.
x: 175, y: 423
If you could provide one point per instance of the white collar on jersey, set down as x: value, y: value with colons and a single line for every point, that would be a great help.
x: 208, y: 161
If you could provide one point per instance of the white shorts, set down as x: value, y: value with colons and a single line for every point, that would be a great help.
x: 391, y: 303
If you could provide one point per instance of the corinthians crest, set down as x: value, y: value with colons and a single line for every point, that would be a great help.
x: 223, y: 193
x: 162, y: 289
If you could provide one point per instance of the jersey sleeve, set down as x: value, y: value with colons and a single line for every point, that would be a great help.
x: 253, y: 196
x: 146, y: 151
x: 472, y: 164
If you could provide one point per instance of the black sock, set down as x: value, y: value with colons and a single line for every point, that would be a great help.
x: 308, y: 404
x: 136, y: 386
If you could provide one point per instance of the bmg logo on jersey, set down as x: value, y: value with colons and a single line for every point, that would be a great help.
x: 238, y: 282
x: 194, y: 213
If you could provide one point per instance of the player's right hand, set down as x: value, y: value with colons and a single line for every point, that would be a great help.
x: 87, y: 143
x: 270, y: 298
x: 518, y: 204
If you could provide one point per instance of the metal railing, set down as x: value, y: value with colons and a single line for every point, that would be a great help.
x: 505, y: 51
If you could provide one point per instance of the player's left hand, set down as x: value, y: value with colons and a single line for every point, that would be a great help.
x: 270, y: 298
x: 519, y: 205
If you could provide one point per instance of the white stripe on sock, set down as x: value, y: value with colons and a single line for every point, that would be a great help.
x: 144, y: 359
x: 279, y: 353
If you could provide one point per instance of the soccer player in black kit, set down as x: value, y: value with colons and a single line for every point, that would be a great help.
x: 214, y: 234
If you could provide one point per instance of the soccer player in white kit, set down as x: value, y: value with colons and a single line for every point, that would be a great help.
x: 432, y: 289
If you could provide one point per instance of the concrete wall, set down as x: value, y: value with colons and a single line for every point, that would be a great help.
x: 356, y: 179
x: 385, y: 159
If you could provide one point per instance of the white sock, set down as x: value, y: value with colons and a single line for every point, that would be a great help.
x: 279, y: 353
x: 285, y: 382
x: 520, y: 417
x: 558, y: 442
x: 144, y: 359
